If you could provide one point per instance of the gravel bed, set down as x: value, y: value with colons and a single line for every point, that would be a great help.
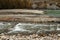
x: 29, y: 37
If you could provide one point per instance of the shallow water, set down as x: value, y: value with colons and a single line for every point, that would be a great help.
x: 55, y: 13
x: 30, y: 28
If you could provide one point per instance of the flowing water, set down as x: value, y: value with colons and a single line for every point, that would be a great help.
x: 32, y: 28
x: 29, y: 28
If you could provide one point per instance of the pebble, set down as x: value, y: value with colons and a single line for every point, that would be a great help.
x: 29, y: 37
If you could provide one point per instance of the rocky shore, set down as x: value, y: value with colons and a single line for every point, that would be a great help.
x: 28, y: 19
x: 29, y: 37
x: 26, y: 16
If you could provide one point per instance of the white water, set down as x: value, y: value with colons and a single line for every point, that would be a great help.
x: 30, y: 28
x: 24, y: 27
x: 18, y: 28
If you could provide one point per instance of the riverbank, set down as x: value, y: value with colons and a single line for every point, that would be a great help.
x: 29, y: 37
x: 29, y: 16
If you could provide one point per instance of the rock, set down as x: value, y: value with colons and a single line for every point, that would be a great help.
x: 59, y: 35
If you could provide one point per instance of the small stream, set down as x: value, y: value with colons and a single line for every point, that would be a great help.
x: 29, y: 28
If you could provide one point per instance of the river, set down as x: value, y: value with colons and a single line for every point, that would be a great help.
x: 29, y: 28
x: 32, y: 28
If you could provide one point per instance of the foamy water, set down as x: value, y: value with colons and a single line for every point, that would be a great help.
x: 30, y: 28
x: 27, y: 27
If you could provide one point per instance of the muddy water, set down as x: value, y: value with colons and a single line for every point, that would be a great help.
x: 29, y: 28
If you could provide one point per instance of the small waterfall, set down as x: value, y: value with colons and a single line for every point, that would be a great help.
x: 18, y: 28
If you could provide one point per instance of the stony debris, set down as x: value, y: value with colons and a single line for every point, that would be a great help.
x: 29, y: 37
